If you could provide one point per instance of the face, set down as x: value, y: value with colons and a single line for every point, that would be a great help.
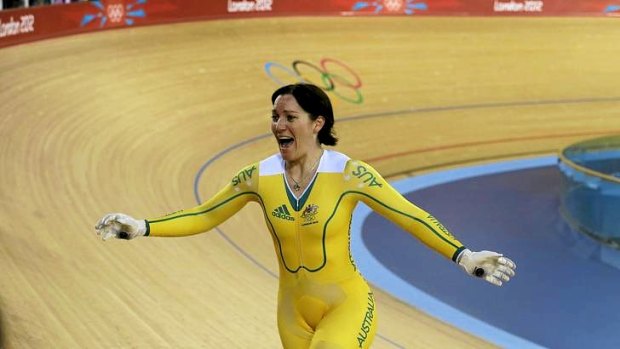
x: 295, y: 132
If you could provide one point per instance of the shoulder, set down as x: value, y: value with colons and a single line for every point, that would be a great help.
x: 355, y: 172
x: 272, y: 165
x: 333, y: 162
x: 356, y: 165
x: 245, y: 175
x: 363, y: 174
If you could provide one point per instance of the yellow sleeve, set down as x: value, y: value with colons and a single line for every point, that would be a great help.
x: 228, y: 201
x: 380, y: 196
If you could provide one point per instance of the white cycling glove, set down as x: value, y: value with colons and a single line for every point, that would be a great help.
x: 120, y: 226
x: 492, y: 267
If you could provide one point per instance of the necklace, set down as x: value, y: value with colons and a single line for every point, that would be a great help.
x: 297, y: 185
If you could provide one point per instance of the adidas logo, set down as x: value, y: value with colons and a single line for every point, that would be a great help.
x: 283, y: 213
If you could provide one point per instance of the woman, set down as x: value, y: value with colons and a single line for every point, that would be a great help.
x: 307, y: 195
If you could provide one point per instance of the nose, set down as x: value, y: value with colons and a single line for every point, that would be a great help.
x: 281, y: 124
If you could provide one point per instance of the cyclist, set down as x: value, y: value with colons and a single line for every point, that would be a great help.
x: 307, y: 195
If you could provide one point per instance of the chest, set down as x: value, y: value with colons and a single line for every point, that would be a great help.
x: 322, y: 203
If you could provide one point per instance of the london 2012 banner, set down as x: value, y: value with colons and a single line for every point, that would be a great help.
x: 41, y: 22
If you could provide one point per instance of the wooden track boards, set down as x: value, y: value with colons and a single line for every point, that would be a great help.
x: 123, y: 120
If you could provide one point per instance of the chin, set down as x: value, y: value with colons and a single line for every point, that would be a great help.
x: 286, y: 154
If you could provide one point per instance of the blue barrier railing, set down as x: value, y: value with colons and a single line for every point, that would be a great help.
x: 590, y: 198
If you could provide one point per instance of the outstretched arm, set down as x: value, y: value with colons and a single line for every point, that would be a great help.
x: 202, y: 218
x: 378, y: 194
x: 205, y: 217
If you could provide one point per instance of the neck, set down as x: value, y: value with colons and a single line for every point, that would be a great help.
x: 306, y: 162
x: 300, y: 171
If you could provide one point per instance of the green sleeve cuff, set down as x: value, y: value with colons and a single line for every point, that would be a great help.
x: 455, y: 256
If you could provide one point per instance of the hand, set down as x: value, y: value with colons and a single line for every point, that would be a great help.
x: 120, y: 226
x: 491, y: 266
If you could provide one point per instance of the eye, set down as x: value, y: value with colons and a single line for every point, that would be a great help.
x: 290, y: 118
x: 274, y: 118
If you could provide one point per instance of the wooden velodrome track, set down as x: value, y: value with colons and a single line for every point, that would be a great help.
x: 123, y: 120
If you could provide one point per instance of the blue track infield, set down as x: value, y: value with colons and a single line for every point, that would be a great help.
x: 566, y: 292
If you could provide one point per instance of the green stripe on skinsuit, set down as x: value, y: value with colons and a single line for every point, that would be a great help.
x: 404, y: 214
x: 205, y: 211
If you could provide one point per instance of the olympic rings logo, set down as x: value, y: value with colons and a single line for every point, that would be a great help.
x: 331, y: 76
x: 115, y: 12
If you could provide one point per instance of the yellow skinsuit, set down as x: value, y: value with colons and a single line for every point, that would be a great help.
x: 323, y: 301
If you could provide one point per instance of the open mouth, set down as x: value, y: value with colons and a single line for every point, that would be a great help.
x: 285, y: 142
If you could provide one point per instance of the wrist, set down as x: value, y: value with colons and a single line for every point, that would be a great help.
x: 464, y: 261
x: 464, y: 254
x: 143, y: 227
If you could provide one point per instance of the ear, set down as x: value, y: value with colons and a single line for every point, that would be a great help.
x: 319, y: 123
